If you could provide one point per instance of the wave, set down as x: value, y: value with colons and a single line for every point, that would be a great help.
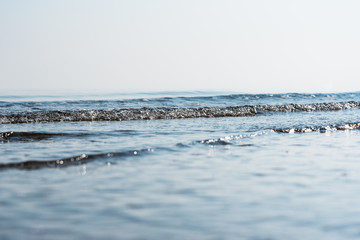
x: 86, y: 158
x: 126, y: 114
x: 65, y: 162
x: 220, y: 141
x: 168, y: 113
x: 348, y: 126
x: 333, y: 106
x: 35, y: 136
x: 229, y: 140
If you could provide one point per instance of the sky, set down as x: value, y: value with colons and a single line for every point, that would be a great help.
x: 252, y: 46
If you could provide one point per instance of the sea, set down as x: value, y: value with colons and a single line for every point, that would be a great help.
x: 180, y: 165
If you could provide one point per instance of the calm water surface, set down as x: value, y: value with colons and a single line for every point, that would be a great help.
x: 198, y: 166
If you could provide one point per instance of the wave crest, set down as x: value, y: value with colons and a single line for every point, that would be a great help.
x: 168, y: 113
x: 65, y: 162
x: 342, y: 127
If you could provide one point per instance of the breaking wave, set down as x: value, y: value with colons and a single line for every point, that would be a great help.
x: 167, y: 113
x: 348, y: 126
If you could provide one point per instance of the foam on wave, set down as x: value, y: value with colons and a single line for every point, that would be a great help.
x: 167, y: 113
x: 348, y: 126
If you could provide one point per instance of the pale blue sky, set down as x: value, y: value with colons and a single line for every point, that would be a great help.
x: 162, y: 45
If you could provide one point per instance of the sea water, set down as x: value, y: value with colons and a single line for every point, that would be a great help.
x: 191, y: 165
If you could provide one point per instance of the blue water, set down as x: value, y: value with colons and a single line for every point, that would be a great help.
x: 287, y: 170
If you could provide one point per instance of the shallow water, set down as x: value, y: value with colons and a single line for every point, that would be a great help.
x: 269, y: 175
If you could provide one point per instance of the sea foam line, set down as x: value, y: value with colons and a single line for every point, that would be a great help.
x: 167, y: 113
x: 343, y: 127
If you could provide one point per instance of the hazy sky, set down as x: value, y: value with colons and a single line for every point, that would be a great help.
x: 167, y: 45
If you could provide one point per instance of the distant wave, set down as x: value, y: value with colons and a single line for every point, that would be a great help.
x: 167, y: 113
